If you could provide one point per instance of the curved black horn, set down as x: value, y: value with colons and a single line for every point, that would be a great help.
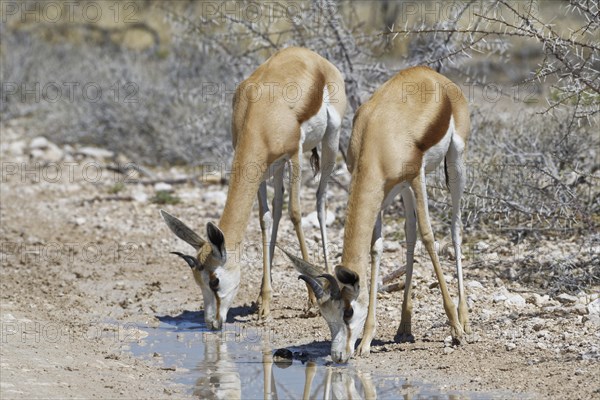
x: 334, y: 288
x: 314, y: 285
x: 191, y: 261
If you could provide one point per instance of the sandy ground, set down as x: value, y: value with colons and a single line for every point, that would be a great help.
x: 82, y: 266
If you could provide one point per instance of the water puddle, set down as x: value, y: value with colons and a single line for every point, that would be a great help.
x: 239, y: 363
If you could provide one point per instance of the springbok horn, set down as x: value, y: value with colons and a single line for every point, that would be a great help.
x: 314, y: 285
x: 191, y: 261
x: 334, y: 288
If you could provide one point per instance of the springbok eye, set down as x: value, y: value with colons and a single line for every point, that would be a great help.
x: 348, y: 313
x: 214, y: 284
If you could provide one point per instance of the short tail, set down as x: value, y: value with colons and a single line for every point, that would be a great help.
x: 446, y: 173
x: 315, y: 163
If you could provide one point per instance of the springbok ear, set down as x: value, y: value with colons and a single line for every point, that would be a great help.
x: 217, y: 240
x: 304, y: 267
x: 181, y: 230
x: 350, y: 280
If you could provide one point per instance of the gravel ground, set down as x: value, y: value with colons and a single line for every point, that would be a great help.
x: 85, y: 260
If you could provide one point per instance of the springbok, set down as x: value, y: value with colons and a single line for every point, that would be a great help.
x: 411, y: 123
x: 292, y: 103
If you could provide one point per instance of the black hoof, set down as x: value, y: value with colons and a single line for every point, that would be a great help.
x: 404, y: 338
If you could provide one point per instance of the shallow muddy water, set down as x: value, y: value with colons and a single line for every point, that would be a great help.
x: 239, y: 362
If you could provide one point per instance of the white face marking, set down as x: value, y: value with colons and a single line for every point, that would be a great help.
x: 217, y: 301
x: 344, y: 331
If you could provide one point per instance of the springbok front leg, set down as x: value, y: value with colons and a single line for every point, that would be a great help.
x: 371, y: 323
x: 404, y: 333
x: 266, y: 224
x: 277, y: 206
x: 418, y: 186
x: 456, y: 182
x: 296, y: 215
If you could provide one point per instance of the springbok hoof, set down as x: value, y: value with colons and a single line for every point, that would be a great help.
x: 404, y: 338
x: 458, y: 334
x: 404, y: 334
x: 364, y: 349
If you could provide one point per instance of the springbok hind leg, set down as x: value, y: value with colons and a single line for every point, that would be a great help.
x: 404, y: 333
x: 456, y: 183
x: 418, y: 186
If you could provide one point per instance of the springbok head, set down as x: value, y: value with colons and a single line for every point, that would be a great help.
x: 337, y: 297
x: 218, y: 282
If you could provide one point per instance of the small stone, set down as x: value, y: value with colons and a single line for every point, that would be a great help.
x: 538, y: 300
x: 139, y: 196
x: 515, y: 300
x: 79, y: 221
x: 448, y: 341
x: 580, y: 309
x: 391, y: 246
x: 541, y: 346
x: 470, y: 302
x: 38, y: 142
x: 8, y: 317
x: 53, y: 153
x: 283, y: 354
x: 481, y: 246
x: 17, y: 148
x: 283, y: 358
x: 312, y: 219
x: 538, y: 326
x: 594, y: 307
x: 567, y: 298
x: 474, y: 285
x: 95, y: 152
x: 448, y: 350
x: 543, y: 334
x: 216, y: 197
x: 500, y: 296
x: 510, y: 346
x: 163, y: 187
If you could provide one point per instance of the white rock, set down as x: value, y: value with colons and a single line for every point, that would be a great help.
x: 37, y: 153
x: 448, y: 341
x: 216, y: 197
x: 474, y: 285
x: 8, y: 317
x: 541, y: 345
x: 312, y: 220
x: 17, y: 148
x: 53, y: 153
x: 391, y: 246
x: 79, y: 221
x: 567, y: 298
x: 163, y: 187
x: 139, y: 196
x: 538, y: 300
x: 39, y: 142
x: 502, y: 295
x: 481, y: 246
x: 510, y: 346
x: 95, y: 152
x: 515, y: 300
x: 190, y: 195
x: 594, y: 307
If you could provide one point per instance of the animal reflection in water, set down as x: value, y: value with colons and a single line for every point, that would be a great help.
x: 221, y: 377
